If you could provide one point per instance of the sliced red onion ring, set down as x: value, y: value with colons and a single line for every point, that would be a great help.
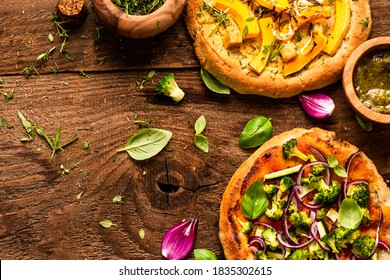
x: 311, y: 205
x: 314, y: 233
x: 308, y: 164
x: 384, y: 245
x: 255, y: 242
x: 284, y: 217
x: 345, y: 180
x: 284, y: 243
x: 265, y: 224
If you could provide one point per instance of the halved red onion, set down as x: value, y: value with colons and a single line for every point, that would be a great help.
x: 179, y: 240
x: 317, y: 105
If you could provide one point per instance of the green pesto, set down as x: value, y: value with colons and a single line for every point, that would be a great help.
x: 372, y: 81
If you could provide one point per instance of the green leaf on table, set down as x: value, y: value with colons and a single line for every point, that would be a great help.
x: 255, y: 201
x: 28, y: 127
x: 107, y: 223
x: 146, y: 143
x: 366, y: 125
x: 350, y: 214
x: 141, y: 233
x: 118, y: 198
x: 200, y: 125
x: 200, y: 140
x: 257, y: 131
x: 3, y: 122
x: 204, y: 254
x: 212, y: 83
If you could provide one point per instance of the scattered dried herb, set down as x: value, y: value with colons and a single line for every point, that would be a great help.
x: 3, y: 122
x: 78, y: 196
x: 46, y: 55
x: 118, y: 198
x: 29, y: 128
x: 9, y: 95
x: 141, y: 233
x: 86, y: 145
x: 365, y: 22
x: 139, y: 7
x: 29, y: 71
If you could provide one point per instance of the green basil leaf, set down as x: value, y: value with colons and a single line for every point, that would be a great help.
x: 350, y: 214
x: 257, y: 131
x: 204, y: 254
x: 340, y: 171
x: 255, y: 201
x: 200, y: 125
x: 202, y: 142
x: 212, y: 83
x: 366, y: 125
x: 146, y: 143
x: 107, y: 223
x: 332, y: 161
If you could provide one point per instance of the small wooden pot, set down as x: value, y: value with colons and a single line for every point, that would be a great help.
x: 144, y: 26
x: 372, y: 45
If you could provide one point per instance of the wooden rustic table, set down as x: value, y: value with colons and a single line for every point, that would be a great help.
x: 50, y: 208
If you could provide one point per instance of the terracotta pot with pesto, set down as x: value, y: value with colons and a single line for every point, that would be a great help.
x: 138, y: 19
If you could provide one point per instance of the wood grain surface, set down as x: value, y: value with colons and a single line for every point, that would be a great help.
x: 46, y: 213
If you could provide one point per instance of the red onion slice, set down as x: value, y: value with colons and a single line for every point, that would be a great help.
x: 255, y: 242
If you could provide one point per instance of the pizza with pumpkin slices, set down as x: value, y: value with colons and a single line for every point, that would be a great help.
x: 276, y: 48
x: 306, y: 195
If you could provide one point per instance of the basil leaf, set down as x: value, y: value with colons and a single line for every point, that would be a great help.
x: 107, y: 223
x: 340, y: 171
x: 350, y: 214
x: 212, y: 83
x: 204, y: 254
x: 332, y: 161
x: 202, y: 142
x: 257, y: 131
x: 255, y: 201
x: 146, y: 143
x: 200, y: 125
x: 367, y: 126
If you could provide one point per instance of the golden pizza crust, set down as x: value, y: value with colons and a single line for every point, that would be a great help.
x: 235, y: 243
x: 322, y: 71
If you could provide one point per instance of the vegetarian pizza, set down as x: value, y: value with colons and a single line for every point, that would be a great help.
x: 306, y: 194
x: 276, y: 48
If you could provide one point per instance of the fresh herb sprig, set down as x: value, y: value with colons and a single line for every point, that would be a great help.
x: 54, y: 143
x: 218, y: 16
x: 200, y: 140
x: 139, y: 7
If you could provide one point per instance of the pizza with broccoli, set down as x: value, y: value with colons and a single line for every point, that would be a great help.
x: 306, y: 195
x: 276, y: 48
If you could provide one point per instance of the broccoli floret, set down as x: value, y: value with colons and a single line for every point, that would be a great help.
x: 300, y: 254
x: 340, y: 238
x: 366, y: 215
x: 300, y: 221
x: 247, y: 226
x: 290, y: 149
x: 285, y: 183
x: 260, y: 255
x: 321, y: 214
x: 363, y: 246
x: 360, y: 193
x: 269, y: 236
x: 316, y: 253
x: 327, y: 194
x: 318, y: 168
x: 270, y: 190
x: 275, y: 213
x: 168, y: 86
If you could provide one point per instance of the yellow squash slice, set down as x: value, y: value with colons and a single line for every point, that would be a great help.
x: 245, y: 20
x: 301, y: 60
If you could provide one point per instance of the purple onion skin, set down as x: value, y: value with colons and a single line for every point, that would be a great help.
x: 178, y: 242
x: 317, y: 105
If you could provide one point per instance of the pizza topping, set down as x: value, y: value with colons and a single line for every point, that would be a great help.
x: 317, y: 105
x: 290, y: 149
x: 343, y: 15
x: 241, y: 15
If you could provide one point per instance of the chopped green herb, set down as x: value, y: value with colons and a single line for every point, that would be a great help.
x: 50, y: 37
x: 9, y: 95
x: 97, y: 36
x: 140, y: 123
x: 28, y: 126
x: 3, y: 122
x: 86, y: 145
x: 64, y: 169
x: 365, y: 22
x: 367, y: 126
x: 141, y: 233
x: 78, y: 196
x: 200, y: 140
x: 46, y: 55
x: 117, y: 199
x: 139, y: 7
x: 28, y: 71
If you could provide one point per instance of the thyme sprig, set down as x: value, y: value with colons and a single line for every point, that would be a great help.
x: 218, y: 16
x: 139, y: 7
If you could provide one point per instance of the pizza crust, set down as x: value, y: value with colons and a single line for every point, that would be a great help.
x: 322, y: 71
x: 235, y: 243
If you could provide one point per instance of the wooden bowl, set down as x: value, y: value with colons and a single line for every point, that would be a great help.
x: 144, y: 26
x: 370, y: 46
